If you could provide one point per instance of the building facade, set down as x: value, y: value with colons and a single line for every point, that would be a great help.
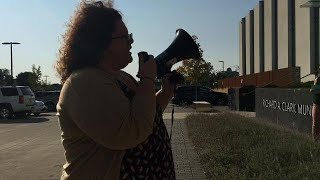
x: 279, y: 34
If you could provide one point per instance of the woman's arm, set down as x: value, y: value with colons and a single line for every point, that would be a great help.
x: 165, y: 94
x: 163, y: 99
x: 316, y: 122
x: 315, y: 91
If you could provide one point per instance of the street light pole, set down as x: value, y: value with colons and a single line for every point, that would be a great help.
x: 222, y: 65
x: 46, y: 76
x: 10, y: 43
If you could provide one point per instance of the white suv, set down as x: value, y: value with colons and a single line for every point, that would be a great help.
x: 15, y: 100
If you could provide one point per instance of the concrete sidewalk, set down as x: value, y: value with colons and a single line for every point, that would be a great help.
x: 227, y: 110
x: 185, y: 158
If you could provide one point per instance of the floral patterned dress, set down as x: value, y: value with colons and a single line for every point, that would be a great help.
x: 152, y: 159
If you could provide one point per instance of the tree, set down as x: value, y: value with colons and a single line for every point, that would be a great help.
x: 227, y: 74
x: 27, y: 79
x: 237, y: 68
x: 197, y: 71
x: 31, y: 79
x: 52, y: 87
x: 37, y: 72
x: 194, y: 37
x: 5, y: 78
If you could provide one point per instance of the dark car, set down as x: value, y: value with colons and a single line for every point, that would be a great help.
x: 185, y: 95
x: 50, y: 98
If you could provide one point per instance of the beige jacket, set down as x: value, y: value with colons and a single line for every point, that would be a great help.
x: 98, y: 123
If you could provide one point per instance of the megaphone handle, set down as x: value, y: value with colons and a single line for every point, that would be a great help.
x: 144, y: 55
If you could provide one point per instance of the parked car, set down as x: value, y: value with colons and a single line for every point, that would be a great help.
x: 50, y: 98
x: 15, y: 100
x: 38, y: 108
x: 185, y: 95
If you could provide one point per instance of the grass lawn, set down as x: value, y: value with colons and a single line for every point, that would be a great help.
x: 234, y: 147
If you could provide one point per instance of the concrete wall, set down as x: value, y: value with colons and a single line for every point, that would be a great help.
x: 268, y: 34
x: 249, y: 44
x: 287, y: 107
x: 280, y: 78
x: 291, y: 33
x: 283, y: 38
x: 303, y: 39
x: 259, y: 38
x: 242, y: 49
x: 314, y: 39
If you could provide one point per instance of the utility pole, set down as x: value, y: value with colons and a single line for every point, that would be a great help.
x: 10, y: 43
x: 222, y: 65
x: 46, y: 76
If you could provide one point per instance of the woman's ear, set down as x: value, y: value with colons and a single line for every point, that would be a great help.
x: 107, y: 54
x: 107, y: 58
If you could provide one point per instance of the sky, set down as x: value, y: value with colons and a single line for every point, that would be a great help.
x: 39, y: 25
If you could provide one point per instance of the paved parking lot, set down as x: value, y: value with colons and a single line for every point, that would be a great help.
x: 30, y: 148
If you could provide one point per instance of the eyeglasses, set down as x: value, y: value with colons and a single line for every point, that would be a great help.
x: 128, y: 37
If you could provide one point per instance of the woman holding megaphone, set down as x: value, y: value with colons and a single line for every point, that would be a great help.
x: 111, y: 125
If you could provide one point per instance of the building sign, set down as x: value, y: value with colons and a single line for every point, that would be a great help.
x: 290, y: 107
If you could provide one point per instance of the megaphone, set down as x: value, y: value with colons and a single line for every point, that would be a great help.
x: 183, y: 47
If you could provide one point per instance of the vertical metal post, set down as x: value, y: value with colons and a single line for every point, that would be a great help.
x: 11, y: 60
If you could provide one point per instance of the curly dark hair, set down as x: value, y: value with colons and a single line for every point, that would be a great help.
x: 88, y: 34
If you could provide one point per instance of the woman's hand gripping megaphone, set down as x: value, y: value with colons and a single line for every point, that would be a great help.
x: 173, y: 76
x: 147, y: 66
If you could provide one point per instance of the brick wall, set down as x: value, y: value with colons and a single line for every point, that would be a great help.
x: 280, y: 78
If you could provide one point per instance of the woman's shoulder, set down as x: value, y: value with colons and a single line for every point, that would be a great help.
x: 128, y: 80
x: 96, y: 77
x: 128, y: 76
x: 90, y: 76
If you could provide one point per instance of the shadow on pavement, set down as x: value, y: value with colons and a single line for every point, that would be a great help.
x: 190, y: 109
x: 29, y: 119
x: 45, y: 114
